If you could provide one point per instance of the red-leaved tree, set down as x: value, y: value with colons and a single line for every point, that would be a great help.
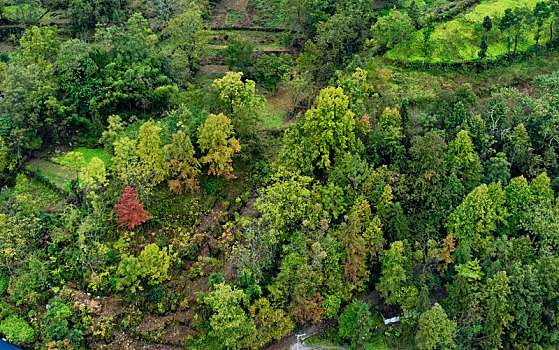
x: 130, y: 211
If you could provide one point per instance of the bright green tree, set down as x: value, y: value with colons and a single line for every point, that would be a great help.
x: 237, y: 99
x: 390, y: 30
x: 40, y: 44
x: 464, y: 161
x: 230, y: 326
x: 435, y: 330
x: 154, y: 263
x: 329, y: 128
x: 153, y: 166
x: 128, y: 271
x: 394, y: 274
x: 188, y: 37
x: 113, y: 133
x: 216, y: 138
x: 499, y: 307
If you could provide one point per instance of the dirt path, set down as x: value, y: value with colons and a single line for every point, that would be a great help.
x: 290, y: 342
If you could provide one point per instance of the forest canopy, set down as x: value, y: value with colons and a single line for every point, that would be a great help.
x: 204, y: 174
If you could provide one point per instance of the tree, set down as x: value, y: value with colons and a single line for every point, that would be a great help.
x: 497, y: 169
x: 153, y: 167
x: 287, y: 201
x: 270, y: 69
x: 334, y: 40
x: 464, y: 161
x: 428, y: 29
x: 217, y: 138
x: 391, y: 30
x: 239, y: 53
x: 86, y: 14
x: 230, y: 326
x: 130, y: 211
x: 355, y: 324
x: 390, y: 131
x: 542, y: 11
x: 394, y: 274
x: 355, y: 245
x: 5, y: 160
x: 188, y: 36
x: 435, y: 330
x: 478, y: 214
x: 79, y: 77
x: 93, y: 176
x: 183, y: 165
x: 329, y: 128
x: 271, y: 324
x: 154, y: 263
x: 487, y: 25
x: 40, y: 44
x: 133, y: 74
x: 74, y: 161
x: 29, y: 104
x: 114, y: 131
x: 499, y: 308
x: 505, y: 26
x: 519, y: 24
x: 128, y: 271
x: 17, y: 330
x: 238, y: 100
x: 415, y: 15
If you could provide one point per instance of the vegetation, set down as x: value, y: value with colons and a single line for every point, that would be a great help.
x: 221, y: 174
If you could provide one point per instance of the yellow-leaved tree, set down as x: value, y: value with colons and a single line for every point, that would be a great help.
x: 216, y: 138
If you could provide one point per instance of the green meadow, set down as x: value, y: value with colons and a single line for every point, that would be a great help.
x: 459, y: 40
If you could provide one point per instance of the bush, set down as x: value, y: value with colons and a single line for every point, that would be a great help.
x: 17, y: 330
x: 155, y: 264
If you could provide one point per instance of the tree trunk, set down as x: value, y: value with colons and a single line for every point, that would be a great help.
x: 515, y: 43
x: 551, y: 31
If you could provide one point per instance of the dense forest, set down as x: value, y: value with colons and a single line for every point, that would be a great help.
x: 254, y: 174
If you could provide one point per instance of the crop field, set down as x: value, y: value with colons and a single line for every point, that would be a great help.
x: 459, y: 39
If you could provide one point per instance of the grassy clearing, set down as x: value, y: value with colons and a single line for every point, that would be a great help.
x: 271, y: 117
x: 13, y: 12
x: 42, y: 197
x: 55, y: 173
x: 419, y: 85
x: 458, y: 40
x: 88, y: 154
x: 267, y: 13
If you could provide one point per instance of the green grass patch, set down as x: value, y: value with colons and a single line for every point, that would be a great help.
x: 459, y: 40
x: 39, y: 194
x: 88, y: 154
x: 421, y: 85
x: 271, y: 117
x: 267, y: 13
x: 55, y: 173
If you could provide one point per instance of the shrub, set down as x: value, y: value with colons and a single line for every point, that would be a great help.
x: 154, y: 263
x: 17, y: 330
